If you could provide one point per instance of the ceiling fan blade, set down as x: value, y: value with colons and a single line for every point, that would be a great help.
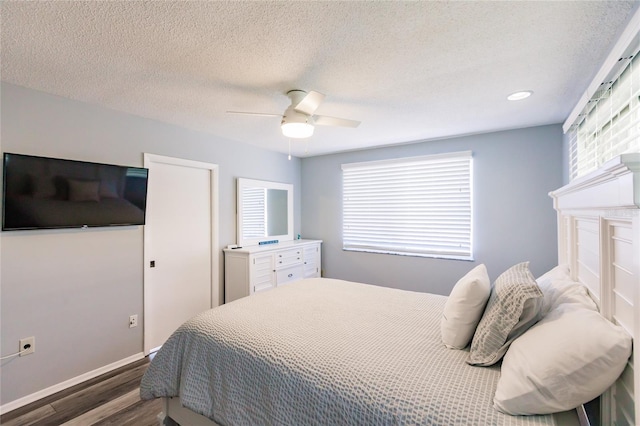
x: 323, y: 120
x: 254, y: 113
x: 310, y: 103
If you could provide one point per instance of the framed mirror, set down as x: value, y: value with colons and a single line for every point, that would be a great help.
x: 265, y: 212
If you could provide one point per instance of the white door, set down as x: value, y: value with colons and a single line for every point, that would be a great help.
x: 180, y: 245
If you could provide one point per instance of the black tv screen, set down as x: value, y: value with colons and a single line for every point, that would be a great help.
x: 45, y: 193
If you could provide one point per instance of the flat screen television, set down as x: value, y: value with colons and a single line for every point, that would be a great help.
x: 47, y: 193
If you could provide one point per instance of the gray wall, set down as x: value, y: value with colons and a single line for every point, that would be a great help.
x: 514, y: 218
x: 75, y: 289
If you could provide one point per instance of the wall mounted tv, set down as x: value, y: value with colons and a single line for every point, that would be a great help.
x: 46, y: 193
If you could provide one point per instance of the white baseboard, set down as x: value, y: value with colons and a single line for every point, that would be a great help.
x: 21, y: 402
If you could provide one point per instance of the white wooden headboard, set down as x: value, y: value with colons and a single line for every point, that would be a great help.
x: 599, y: 238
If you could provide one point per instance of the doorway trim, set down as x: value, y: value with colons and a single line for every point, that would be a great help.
x: 149, y: 159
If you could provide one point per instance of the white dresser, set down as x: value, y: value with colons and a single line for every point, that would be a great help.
x: 253, y: 269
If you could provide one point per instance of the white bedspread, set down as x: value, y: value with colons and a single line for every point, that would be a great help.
x: 323, y: 351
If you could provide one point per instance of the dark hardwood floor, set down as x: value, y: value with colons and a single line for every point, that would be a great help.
x: 110, y: 399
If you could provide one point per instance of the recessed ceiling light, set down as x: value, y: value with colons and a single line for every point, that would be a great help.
x: 517, y: 96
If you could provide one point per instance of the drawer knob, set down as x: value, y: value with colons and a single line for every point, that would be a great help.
x: 290, y: 275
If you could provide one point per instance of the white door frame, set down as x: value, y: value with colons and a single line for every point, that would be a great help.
x: 149, y: 159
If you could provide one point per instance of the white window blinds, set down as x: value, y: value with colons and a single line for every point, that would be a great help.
x: 418, y: 206
x: 609, y: 124
x: 254, y: 212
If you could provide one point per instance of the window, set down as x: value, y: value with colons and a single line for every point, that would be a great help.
x: 608, y: 125
x: 419, y: 206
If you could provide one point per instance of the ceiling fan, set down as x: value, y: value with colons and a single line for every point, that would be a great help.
x: 298, y: 120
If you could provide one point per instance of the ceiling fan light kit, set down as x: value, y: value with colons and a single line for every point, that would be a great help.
x: 298, y: 120
x: 297, y: 130
x: 296, y: 124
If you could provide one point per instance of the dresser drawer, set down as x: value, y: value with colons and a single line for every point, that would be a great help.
x: 289, y: 274
x: 311, y: 270
x: 311, y: 252
x: 262, y: 275
x: 311, y: 257
x: 288, y: 257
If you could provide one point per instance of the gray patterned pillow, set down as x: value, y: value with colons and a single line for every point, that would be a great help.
x: 514, y: 306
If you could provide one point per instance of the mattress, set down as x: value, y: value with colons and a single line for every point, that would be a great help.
x: 325, y: 351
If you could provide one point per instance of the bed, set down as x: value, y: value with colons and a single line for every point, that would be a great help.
x: 324, y: 351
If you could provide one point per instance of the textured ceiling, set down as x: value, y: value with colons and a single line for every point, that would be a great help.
x: 409, y: 71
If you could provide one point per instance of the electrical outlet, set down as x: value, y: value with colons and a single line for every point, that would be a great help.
x: 27, y: 346
x: 133, y: 321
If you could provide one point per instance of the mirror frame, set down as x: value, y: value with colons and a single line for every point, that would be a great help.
x: 252, y: 183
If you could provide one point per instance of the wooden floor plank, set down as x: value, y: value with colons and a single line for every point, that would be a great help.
x: 143, y: 413
x: 87, y: 399
x: 97, y: 390
x: 19, y: 412
x: 111, y: 399
x: 105, y: 410
x: 30, y: 417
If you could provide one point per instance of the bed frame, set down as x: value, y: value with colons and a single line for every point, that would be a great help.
x: 599, y: 238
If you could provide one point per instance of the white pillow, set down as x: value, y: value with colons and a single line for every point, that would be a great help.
x: 560, y: 272
x: 568, y: 292
x: 570, y: 357
x: 547, y: 283
x: 464, y: 308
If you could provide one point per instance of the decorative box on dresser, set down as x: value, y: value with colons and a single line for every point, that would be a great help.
x: 253, y: 269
